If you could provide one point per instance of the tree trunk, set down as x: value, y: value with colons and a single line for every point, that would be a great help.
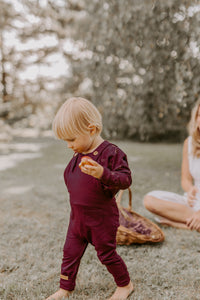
x: 3, y: 72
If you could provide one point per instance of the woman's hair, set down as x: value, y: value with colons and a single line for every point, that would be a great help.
x: 74, y: 117
x: 194, y: 130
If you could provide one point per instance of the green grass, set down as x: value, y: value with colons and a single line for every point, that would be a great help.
x: 34, y: 223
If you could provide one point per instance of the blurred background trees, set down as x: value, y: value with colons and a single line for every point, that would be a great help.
x: 138, y: 61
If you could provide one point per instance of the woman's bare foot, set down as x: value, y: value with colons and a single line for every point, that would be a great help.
x: 168, y: 222
x: 122, y: 293
x: 60, y: 294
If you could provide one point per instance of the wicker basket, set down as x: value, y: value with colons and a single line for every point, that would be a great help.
x: 135, y: 228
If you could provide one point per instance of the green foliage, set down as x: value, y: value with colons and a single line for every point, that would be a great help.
x: 137, y: 60
x: 142, y: 69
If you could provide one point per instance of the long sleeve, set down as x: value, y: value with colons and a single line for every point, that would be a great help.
x: 89, y: 191
x: 116, y: 174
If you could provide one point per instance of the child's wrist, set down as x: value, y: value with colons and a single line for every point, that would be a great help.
x: 101, y: 172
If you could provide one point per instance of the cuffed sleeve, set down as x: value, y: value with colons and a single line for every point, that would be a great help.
x: 117, y: 179
x: 116, y: 174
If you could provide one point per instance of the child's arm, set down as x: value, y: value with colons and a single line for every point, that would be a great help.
x: 119, y: 176
x: 115, y: 174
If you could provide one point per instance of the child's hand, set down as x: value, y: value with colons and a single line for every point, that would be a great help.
x: 85, y: 160
x: 191, y: 195
x: 91, y: 167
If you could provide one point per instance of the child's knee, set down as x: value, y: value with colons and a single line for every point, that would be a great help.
x: 107, y: 257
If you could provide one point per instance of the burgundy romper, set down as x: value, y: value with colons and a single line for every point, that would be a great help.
x: 94, y: 214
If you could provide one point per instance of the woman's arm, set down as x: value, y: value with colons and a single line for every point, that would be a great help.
x: 187, y: 184
x: 186, y: 178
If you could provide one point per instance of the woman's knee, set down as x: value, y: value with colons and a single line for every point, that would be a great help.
x: 148, y: 202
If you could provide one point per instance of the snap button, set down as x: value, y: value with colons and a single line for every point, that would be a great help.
x: 95, y: 152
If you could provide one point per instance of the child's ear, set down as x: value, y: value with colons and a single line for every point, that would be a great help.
x: 92, y: 129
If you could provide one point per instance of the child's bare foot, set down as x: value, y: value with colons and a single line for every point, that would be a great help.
x: 60, y: 294
x: 122, y: 293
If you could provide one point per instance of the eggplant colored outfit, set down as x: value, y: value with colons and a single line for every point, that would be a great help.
x: 94, y: 214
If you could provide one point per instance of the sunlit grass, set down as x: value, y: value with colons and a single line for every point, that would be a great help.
x: 34, y: 225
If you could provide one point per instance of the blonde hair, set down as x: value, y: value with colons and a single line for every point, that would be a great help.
x: 194, y: 130
x: 74, y: 117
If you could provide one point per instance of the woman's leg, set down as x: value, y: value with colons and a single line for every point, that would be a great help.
x: 174, y: 214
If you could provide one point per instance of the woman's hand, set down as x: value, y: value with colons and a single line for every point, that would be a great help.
x: 191, y: 195
x: 92, y: 168
x: 194, y: 221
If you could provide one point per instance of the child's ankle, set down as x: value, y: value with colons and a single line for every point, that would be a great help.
x: 60, y: 294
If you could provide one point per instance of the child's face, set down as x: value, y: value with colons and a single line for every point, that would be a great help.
x: 81, y: 143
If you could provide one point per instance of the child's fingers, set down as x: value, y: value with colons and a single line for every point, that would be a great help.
x: 88, y: 169
x: 85, y: 168
x: 94, y: 163
x: 95, y: 171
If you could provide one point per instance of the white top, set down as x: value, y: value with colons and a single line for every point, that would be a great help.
x: 194, y: 164
x: 194, y: 168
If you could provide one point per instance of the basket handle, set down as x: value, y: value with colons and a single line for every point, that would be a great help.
x: 119, y: 197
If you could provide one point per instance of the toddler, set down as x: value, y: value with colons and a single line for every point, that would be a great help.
x: 92, y: 186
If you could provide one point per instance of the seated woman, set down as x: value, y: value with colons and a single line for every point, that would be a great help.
x: 182, y: 211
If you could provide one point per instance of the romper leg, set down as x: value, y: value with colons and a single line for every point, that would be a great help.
x: 104, y: 240
x: 74, y: 249
x: 114, y: 264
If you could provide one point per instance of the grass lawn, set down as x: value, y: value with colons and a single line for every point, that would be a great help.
x: 34, y: 218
